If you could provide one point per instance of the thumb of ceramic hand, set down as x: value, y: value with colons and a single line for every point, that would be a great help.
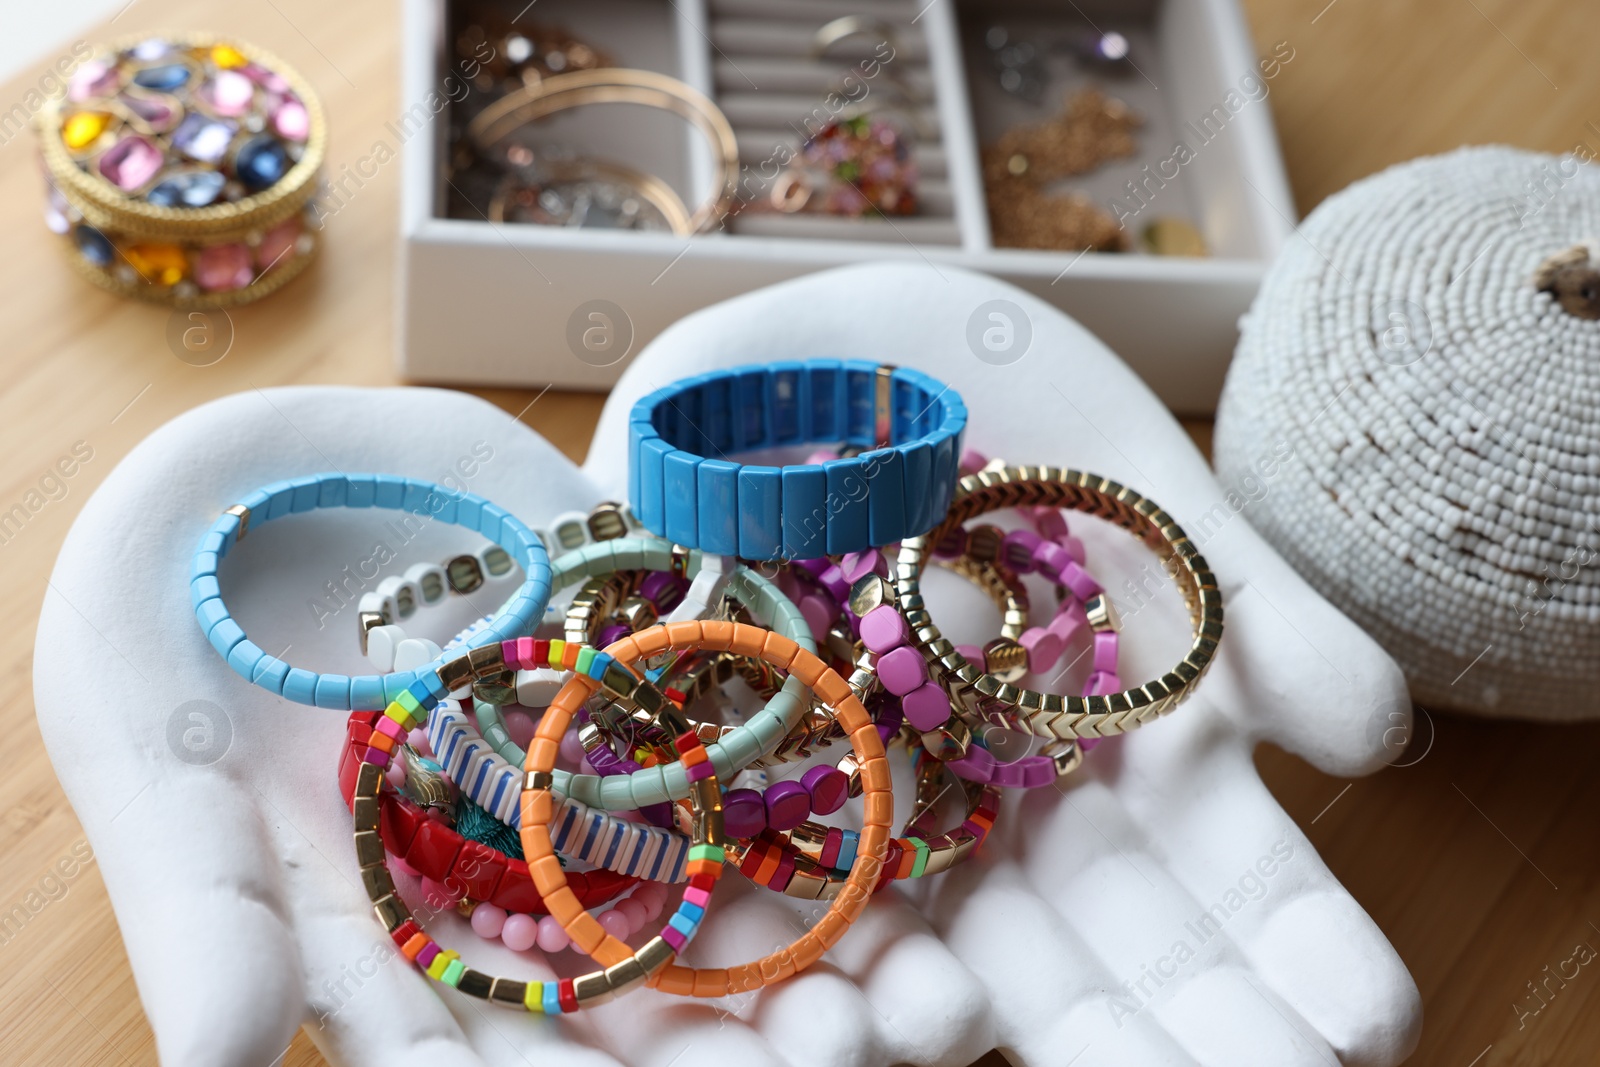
x: 1162, y: 907
x: 212, y: 805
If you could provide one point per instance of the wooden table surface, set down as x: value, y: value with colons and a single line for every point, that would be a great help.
x: 1478, y: 858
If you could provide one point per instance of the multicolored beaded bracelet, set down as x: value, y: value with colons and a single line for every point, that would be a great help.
x: 986, y: 697
x: 627, y: 970
x: 489, y: 780
x: 334, y: 490
x: 811, y: 861
x: 658, y: 591
x: 783, y: 654
x: 784, y: 804
x: 737, y: 749
x: 607, y: 764
x: 591, y: 835
x: 595, y: 731
x: 820, y: 790
x: 435, y: 851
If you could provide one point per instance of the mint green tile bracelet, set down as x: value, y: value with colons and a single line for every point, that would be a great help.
x: 740, y: 747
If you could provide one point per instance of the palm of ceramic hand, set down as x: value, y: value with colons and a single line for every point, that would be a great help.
x: 236, y: 890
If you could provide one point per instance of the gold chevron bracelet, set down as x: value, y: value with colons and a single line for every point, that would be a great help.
x: 980, y: 696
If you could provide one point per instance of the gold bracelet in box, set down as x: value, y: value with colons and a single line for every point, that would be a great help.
x: 491, y: 127
x: 986, y: 697
x: 182, y: 169
x: 516, y: 200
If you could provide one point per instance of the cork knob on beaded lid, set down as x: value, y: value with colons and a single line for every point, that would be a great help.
x: 1413, y: 419
x: 182, y: 168
x: 1572, y: 277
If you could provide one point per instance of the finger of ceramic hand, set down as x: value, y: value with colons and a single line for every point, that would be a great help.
x: 1262, y: 887
x: 923, y: 1005
x: 680, y: 1033
x: 1151, y: 925
x: 1057, y: 971
x: 1174, y: 974
x: 370, y: 1006
x: 1359, y: 996
x: 926, y: 1006
x: 651, y: 1028
x: 1054, y: 996
x: 919, y: 1002
x: 1227, y: 1016
x: 889, y: 991
x: 821, y: 1017
x: 1294, y: 671
x: 503, y: 1037
x: 192, y: 868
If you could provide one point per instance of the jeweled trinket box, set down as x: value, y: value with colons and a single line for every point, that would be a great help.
x: 183, y: 169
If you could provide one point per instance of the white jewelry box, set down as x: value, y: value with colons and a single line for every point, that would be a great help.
x: 485, y: 303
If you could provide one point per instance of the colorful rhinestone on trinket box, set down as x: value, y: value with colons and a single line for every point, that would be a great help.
x: 183, y: 169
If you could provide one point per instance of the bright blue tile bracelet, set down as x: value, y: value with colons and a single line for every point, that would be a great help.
x: 425, y: 499
x: 683, y: 487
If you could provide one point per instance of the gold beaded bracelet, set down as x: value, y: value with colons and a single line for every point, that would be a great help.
x: 984, y: 696
x: 626, y: 968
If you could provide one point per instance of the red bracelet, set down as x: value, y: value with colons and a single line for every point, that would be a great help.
x: 436, y: 851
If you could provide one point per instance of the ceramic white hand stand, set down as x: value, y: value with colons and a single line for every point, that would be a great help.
x: 1161, y: 909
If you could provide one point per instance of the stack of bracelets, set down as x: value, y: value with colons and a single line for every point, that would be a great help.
x: 741, y: 648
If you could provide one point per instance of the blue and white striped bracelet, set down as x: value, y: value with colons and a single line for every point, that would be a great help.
x: 577, y: 830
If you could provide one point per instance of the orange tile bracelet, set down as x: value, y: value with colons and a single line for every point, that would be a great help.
x: 877, y: 799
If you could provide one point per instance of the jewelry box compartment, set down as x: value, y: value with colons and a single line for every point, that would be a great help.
x: 793, y: 73
x: 522, y: 304
x: 1180, y: 183
x: 645, y: 148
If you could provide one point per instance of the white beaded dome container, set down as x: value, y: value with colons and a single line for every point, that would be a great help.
x: 1413, y: 419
